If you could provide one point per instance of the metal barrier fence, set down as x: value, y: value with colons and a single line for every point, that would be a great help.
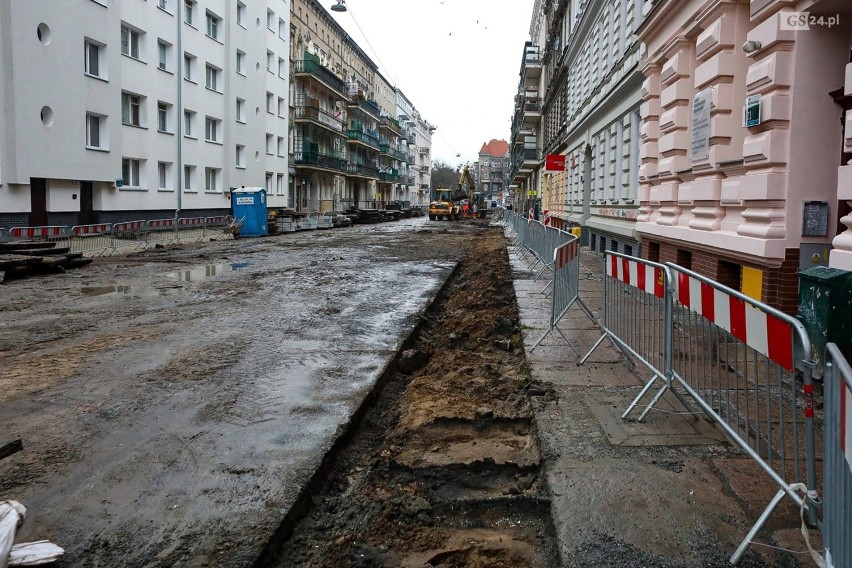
x: 637, y: 316
x: 837, y: 466
x: 566, y: 288
x: 129, y: 234
x: 162, y: 231
x: 733, y: 355
x: 216, y: 225
x: 189, y: 229
x: 92, y: 238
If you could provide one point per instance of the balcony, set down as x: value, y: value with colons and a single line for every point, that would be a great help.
x: 370, y: 107
x: 409, y: 180
x: 358, y: 136
x: 320, y: 161
x: 532, y: 62
x: 391, y: 176
x: 384, y: 148
x: 390, y: 124
x: 410, y: 158
x: 319, y: 116
x: 423, y: 150
x: 398, y: 155
x: 312, y: 68
x: 532, y: 112
x: 424, y: 186
x: 361, y: 170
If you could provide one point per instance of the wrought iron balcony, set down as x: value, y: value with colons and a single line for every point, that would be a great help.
x: 363, y: 170
x: 391, y: 124
x: 316, y: 114
x: 423, y: 150
x: 308, y: 67
x: 410, y: 158
x: 320, y: 160
x: 363, y: 137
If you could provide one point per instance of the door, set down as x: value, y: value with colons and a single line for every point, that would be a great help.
x: 38, y: 202
x: 87, y: 209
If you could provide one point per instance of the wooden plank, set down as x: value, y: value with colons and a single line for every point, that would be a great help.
x: 46, y: 251
x: 25, y: 245
x: 11, y: 448
x: 8, y: 261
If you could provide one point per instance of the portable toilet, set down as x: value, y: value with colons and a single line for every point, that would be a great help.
x: 249, y: 204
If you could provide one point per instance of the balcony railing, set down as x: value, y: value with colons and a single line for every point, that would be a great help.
x: 424, y: 186
x: 389, y: 176
x: 320, y: 160
x: 306, y: 112
x: 398, y: 155
x: 363, y: 170
x: 410, y: 158
x: 409, y: 180
x: 384, y: 147
x: 367, y: 139
x: 321, y: 73
x: 423, y: 150
x: 391, y: 124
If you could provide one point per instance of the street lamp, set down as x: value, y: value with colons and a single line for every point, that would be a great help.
x: 339, y: 7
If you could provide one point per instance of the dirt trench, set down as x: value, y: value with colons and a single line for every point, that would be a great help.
x: 444, y: 467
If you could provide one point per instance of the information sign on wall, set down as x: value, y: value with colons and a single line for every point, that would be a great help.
x: 752, y: 111
x: 700, y: 148
x: 554, y: 163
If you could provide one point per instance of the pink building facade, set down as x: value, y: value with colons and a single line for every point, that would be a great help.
x: 746, y: 139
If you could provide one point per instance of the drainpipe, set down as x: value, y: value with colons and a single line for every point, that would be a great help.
x: 179, y: 110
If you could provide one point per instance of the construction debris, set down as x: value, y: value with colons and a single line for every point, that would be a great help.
x: 12, y: 514
x: 19, y: 259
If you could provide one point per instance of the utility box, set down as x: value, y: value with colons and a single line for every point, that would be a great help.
x: 248, y: 206
x: 825, y: 309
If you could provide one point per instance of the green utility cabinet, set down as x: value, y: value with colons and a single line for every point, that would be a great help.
x: 825, y: 309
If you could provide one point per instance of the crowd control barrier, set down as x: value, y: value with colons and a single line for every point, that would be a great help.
x: 92, y: 238
x: 129, y: 234
x: 738, y: 359
x: 566, y: 288
x: 837, y: 465
x: 189, y: 229
x: 162, y: 231
x: 53, y: 233
x: 637, y: 318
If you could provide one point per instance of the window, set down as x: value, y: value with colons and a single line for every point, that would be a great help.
x: 279, y: 185
x: 270, y: 102
x: 241, y: 156
x: 163, y: 173
x: 96, y: 132
x: 130, y: 172
x: 211, y: 129
x: 283, y: 68
x: 270, y: 20
x: 189, y: 124
x: 163, y: 4
x: 163, y: 50
x: 241, y: 110
x: 241, y: 14
x: 270, y: 140
x: 131, y: 109
x: 189, y: 67
x: 130, y: 42
x: 241, y: 62
x: 93, y: 54
x: 163, y: 117
x: 268, y: 184
x: 270, y: 61
x: 213, y: 26
x: 282, y: 146
x: 189, y: 12
x: 282, y: 29
x: 211, y: 179
x: 188, y: 178
x: 212, y: 78
x: 282, y: 106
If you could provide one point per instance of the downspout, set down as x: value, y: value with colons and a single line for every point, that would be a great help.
x: 179, y: 111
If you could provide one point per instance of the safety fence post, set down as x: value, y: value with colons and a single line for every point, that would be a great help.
x: 566, y: 288
x: 162, y: 231
x: 837, y: 460
x: 92, y: 238
x: 190, y: 229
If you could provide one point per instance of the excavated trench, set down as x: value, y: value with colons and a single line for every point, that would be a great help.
x: 442, y: 466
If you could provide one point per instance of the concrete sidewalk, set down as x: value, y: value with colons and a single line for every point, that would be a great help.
x: 671, y: 491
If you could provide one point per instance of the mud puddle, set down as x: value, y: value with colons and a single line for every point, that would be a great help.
x: 443, y: 468
x: 207, y: 271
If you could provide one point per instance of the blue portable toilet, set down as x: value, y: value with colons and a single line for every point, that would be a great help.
x: 249, y: 204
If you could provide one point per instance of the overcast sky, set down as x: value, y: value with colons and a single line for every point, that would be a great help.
x: 456, y: 60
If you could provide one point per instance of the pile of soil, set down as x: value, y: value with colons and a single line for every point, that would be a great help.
x: 443, y: 470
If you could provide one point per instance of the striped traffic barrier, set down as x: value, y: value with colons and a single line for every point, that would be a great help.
x: 190, y: 228
x: 566, y: 288
x: 92, y: 238
x: 638, y: 324
x: 129, y: 233
x: 737, y: 359
x: 52, y: 232
x: 162, y: 231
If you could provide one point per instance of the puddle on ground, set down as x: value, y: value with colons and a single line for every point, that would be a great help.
x: 208, y: 271
x: 101, y: 290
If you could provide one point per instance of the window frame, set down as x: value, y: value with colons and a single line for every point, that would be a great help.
x: 131, y: 34
x: 129, y: 179
x: 100, y: 50
x: 132, y: 98
x: 212, y: 22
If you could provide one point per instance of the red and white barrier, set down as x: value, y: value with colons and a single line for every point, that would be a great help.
x: 639, y: 275
x: 84, y: 230
x: 567, y: 253
x: 761, y: 331
x: 37, y: 232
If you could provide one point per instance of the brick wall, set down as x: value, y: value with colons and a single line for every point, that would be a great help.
x: 9, y: 220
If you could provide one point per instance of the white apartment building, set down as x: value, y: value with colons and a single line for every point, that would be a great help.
x: 141, y: 108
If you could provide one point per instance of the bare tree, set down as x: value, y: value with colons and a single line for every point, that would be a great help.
x: 444, y: 175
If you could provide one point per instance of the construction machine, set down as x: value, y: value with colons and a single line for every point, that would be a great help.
x: 475, y: 208
x: 444, y: 206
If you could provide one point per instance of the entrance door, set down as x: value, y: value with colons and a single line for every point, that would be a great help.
x: 38, y: 202
x: 87, y: 209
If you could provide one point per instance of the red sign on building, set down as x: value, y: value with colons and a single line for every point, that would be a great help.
x: 554, y: 163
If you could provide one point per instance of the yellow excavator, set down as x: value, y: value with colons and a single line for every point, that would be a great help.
x: 475, y: 208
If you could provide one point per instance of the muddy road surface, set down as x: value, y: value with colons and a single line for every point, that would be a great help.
x: 175, y: 404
